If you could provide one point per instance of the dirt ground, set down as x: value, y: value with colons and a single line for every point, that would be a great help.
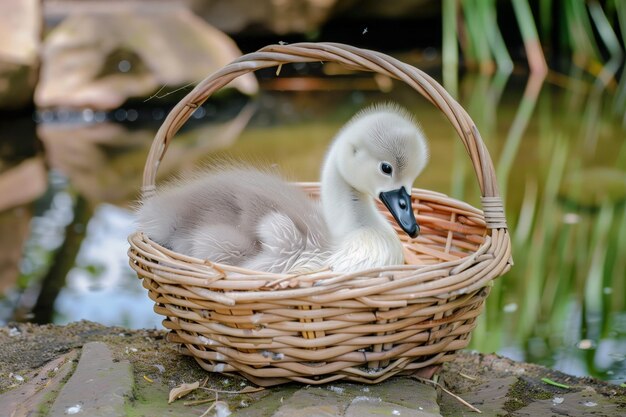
x: 26, y: 348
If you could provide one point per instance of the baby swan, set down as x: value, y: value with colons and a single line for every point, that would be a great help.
x: 378, y: 154
x: 254, y: 219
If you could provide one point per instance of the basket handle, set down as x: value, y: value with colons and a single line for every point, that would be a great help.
x: 353, y: 58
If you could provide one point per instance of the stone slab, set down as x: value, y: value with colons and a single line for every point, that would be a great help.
x: 489, y: 398
x: 373, y: 407
x: 313, y: 402
x: 585, y: 403
x: 399, y: 396
x: 406, y: 392
x: 98, y: 387
x: 27, y: 351
x: 32, y: 395
x: 265, y: 404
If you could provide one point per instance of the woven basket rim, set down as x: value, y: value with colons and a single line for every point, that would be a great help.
x: 137, y: 236
x: 181, y: 269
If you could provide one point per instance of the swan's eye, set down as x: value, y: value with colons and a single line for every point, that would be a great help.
x: 386, y: 168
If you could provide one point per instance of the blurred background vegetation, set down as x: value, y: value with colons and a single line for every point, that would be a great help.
x: 85, y: 84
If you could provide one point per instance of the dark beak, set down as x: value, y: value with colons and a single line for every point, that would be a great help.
x: 398, y: 202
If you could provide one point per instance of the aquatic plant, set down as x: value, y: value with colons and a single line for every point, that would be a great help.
x: 586, y: 30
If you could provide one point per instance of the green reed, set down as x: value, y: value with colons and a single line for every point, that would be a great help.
x: 567, y: 222
x: 582, y: 27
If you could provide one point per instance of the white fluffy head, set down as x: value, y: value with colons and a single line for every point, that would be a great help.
x: 380, y: 149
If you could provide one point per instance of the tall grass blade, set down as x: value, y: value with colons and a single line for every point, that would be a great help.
x: 526, y: 22
x: 582, y: 42
x: 450, y: 47
x: 558, y: 287
x: 494, y: 37
x: 603, y: 26
x: 594, y: 283
x: 474, y: 22
x: 617, y: 284
x: 619, y: 102
x: 523, y: 228
x: 593, y: 110
x: 620, y: 8
x: 514, y: 136
x: 545, y: 20
x: 539, y: 254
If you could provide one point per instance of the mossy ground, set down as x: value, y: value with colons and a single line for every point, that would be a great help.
x: 158, y: 367
x: 469, y: 372
x: 522, y: 393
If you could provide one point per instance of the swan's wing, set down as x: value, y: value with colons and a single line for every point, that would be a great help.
x: 221, y: 243
x: 224, y: 216
x: 281, y: 243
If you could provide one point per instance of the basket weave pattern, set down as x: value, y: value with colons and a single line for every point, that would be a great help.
x: 364, y: 326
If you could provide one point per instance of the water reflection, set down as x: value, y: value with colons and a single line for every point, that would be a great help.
x: 101, y: 273
x: 560, y: 155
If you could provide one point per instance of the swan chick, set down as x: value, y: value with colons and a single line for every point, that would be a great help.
x: 377, y: 155
x: 254, y: 219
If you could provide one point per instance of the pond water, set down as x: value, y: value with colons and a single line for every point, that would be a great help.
x: 68, y: 182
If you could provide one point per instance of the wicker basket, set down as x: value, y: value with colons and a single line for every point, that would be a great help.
x: 365, y: 326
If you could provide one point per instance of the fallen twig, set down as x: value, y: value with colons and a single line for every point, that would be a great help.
x: 246, y: 390
x: 198, y: 402
x: 471, y: 378
x: 156, y: 95
x: 206, y: 413
x: 459, y: 399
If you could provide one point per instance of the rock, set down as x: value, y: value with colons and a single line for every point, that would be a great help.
x: 485, y: 380
x: 38, y: 388
x: 102, y: 59
x: 98, y: 387
x: 394, y: 397
x: 312, y: 402
x: 400, y: 396
x: 502, y: 387
x: 490, y: 398
x: 367, y: 407
x: 577, y: 404
x: 280, y: 17
x: 303, y: 16
x: 20, y: 32
x: 397, y: 9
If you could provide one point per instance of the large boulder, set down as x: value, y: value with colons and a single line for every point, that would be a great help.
x: 303, y: 16
x: 280, y: 17
x: 102, y: 59
x: 20, y: 33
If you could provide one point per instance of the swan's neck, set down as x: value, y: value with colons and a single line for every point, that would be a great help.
x: 346, y: 210
x: 362, y: 237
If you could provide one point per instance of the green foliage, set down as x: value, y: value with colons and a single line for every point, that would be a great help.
x: 562, y: 171
x: 579, y: 24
